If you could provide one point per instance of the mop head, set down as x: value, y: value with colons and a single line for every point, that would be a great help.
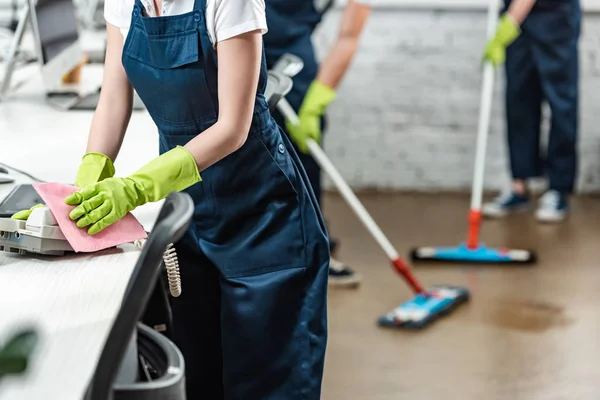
x: 423, y: 309
x: 481, y: 254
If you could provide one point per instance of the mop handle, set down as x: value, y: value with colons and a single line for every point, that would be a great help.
x: 322, y: 159
x: 482, y: 135
x: 485, y: 110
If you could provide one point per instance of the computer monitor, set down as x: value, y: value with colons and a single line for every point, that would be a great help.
x: 56, y: 33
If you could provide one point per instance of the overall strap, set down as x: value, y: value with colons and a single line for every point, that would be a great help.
x: 140, y: 5
x: 199, y: 5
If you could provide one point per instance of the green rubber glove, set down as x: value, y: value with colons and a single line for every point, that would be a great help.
x: 16, y: 354
x: 94, y: 167
x: 103, y: 203
x: 506, y: 33
x: 313, y: 107
x: 24, y: 214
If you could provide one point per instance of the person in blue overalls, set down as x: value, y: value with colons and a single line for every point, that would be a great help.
x: 251, y: 320
x: 539, y: 40
x: 291, y: 25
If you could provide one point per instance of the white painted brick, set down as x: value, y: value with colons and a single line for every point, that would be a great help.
x: 407, y: 111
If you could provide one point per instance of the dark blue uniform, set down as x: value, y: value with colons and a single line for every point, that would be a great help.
x: 251, y: 321
x: 542, y: 64
x: 291, y: 24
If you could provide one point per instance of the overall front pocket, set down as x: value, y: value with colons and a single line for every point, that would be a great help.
x: 166, y: 51
x: 168, y: 72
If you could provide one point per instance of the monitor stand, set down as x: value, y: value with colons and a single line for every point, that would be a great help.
x: 67, y: 98
x: 70, y: 98
x: 14, y: 51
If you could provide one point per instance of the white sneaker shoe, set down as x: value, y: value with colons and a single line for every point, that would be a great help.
x: 507, y: 202
x: 552, y: 207
x: 342, y: 275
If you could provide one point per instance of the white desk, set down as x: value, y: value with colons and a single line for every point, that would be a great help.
x: 74, y: 299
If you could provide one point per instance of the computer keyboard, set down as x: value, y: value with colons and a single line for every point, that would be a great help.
x: 90, y: 102
x: 69, y: 100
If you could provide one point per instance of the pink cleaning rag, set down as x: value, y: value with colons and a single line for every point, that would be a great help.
x: 126, y: 230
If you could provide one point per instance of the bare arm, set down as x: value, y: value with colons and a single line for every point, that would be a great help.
x: 239, y: 67
x: 116, y: 99
x: 335, y: 65
x: 519, y: 9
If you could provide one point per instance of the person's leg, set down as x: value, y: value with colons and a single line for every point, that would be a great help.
x: 523, y: 105
x: 556, y: 53
x: 197, y: 323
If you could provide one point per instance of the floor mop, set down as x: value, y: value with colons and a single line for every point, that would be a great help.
x: 427, y: 305
x: 473, y: 250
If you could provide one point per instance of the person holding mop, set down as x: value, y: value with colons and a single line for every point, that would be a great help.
x: 291, y: 25
x: 538, y: 42
x: 251, y: 321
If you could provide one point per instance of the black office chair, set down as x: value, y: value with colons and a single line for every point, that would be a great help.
x: 162, y: 366
x: 278, y: 86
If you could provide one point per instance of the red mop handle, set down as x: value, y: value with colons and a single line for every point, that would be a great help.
x: 402, y: 268
x: 474, y: 224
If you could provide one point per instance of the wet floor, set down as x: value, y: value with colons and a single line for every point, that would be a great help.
x: 528, y: 333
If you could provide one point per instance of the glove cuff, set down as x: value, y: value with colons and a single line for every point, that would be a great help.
x: 508, y: 30
x: 174, y: 171
x: 94, y: 168
x: 318, y: 97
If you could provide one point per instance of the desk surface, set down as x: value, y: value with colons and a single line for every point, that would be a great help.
x: 73, y: 299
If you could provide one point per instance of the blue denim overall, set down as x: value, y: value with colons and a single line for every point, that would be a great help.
x: 291, y: 24
x: 542, y: 65
x: 251, y: 321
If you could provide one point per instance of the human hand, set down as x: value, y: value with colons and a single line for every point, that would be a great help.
x: 23, y: 215
x: 94, y: 167
x: 103, y: 203
x: 506, y: 33
x: 317, y: 98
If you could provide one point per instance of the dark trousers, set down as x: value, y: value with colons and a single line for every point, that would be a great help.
x: 542, y: 65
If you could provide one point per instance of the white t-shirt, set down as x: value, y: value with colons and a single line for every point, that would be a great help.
x: 224, y: 18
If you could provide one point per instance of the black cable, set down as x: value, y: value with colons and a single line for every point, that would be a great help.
x: 33, y: 178
x: 14, y: 18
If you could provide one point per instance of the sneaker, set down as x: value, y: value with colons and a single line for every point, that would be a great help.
x: 552, y: 207
x: 341, y: 275
x: 504, y: 204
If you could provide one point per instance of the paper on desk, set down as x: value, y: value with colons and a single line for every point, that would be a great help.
x: 126, y: 230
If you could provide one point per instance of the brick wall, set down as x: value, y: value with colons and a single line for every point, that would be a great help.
x: 407, y: 111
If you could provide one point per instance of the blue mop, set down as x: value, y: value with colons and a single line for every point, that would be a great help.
x: 427, y: 305
x: 473, y: 250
